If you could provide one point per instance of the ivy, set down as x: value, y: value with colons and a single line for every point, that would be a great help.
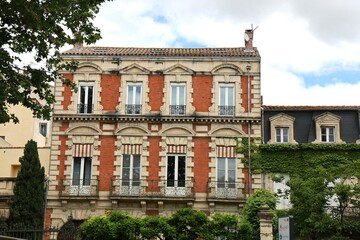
x: 300, y: 158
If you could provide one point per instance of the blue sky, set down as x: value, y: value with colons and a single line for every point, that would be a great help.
x: 310, y: 50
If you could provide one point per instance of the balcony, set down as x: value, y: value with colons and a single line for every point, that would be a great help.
x: 177, y: 109
x: 134, y: 109
x: 79, y: 188
x: 226, y: 190
x: 226, y: 110
x: 121, y: 188
x: 85, y: 108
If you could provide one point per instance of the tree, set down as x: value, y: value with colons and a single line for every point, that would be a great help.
x: 253, y: 206
x: 190, y: 224
x: 39, y: 28
x: 156, y: 227
x: 27, y: 204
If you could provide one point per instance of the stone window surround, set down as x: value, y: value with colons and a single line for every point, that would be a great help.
x: 219, y: 80
x: 141, y: 79
x: 281, y: 120
x: 218, y: 141
x: 327, y: 120
x: 87, y: 79
x: 170, y: 79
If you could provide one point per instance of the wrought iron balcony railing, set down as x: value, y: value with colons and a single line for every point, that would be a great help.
x: 79, y: 187
x: 133, y: 109
x: 85, y: 108
x: 177, y: 109
x: 151, y: 188
x: 226, y: 190
x: 226, y: 110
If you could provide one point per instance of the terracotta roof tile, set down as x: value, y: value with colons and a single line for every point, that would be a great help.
x: 306, y: 108
x: 163, y: 52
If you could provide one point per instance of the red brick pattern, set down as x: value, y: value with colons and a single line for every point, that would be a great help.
x: 67, y: 92
x: 202, y: 95
x: 110, y: 84
x: 244, y: 96
x: 62, y: 156
x: 156, y: 86
x: 201, y: 163
x: 154, y: 159
x: 106, y: 159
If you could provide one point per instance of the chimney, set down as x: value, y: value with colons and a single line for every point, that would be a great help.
x: 248, y: 37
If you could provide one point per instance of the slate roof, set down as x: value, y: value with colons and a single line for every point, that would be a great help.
x: 306, y: 108
x: 163, y: 52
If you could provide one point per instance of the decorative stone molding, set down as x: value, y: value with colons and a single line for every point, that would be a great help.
x: 226, y: 74
x: 134, y: 74
x: 281, y: 120
x: 327, y: 120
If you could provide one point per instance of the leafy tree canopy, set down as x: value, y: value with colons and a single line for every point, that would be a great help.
x: 39, y: 28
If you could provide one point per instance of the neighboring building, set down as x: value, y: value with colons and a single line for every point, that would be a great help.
x: 13, y: 138
x: 311, y: 124
x: 152, y: 130
x: 308, y: 124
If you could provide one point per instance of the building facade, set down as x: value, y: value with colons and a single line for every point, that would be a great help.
x: 311, y: 124
x: 13, y: 138
x: 152, y: 130
x: 308, y: 124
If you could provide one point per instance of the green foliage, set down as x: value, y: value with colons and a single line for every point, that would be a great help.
x: 98, y: 228
x: 127, y: 227
x: 27, y: 204
x: 39, y: 29
x: 230, y: 227
x: 315, y: 170
x: 190, y: 224
x: 254, y: 204
x: 156, y: 227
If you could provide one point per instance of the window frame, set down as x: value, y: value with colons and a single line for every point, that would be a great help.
x: 133, y: 108
x: 82, y: 169
x: 176, y: 171
x: 328, y: 134
x: 86, y: 85
x: 41, y: 125
x: 177, y: 108
x: 226, y: 109
x: 131, y: 170
x: 226, y: 183
x: 281, y: 135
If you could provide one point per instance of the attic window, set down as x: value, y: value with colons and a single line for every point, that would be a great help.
x: 101, y: 49
x: 159, y: 51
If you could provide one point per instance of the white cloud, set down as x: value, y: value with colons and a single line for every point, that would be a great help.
x: 294, y: 38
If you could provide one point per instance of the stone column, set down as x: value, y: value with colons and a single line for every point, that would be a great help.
x: 266, y: 217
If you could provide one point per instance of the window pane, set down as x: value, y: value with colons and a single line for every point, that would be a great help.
x: 222, y: 96
x: 170, y: 171
x: 126, y: 161
x: 87, y: 171
x: 173, y: 95
x: 130, y: 95
x: 331, y: 134
x: 221, y: 163
x: 181, y: 171
x: 230, y: 96
x: 285, y: 134
x: 138, y: 95
x: 323, y: 135
x: 76, y: 171
x: 231, y: 164
x: 181, y: 95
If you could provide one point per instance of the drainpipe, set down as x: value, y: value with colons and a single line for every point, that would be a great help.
x: 248, y: 68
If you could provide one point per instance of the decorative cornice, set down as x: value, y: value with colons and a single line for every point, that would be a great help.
x: 154, y: 119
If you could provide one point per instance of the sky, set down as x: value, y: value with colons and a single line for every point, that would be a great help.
x: 310, y: 49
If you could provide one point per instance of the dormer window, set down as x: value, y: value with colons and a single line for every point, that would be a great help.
x: 282, y: 134
x: 327, y: 128
x: 282, y: 129
x: 328, y: 134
